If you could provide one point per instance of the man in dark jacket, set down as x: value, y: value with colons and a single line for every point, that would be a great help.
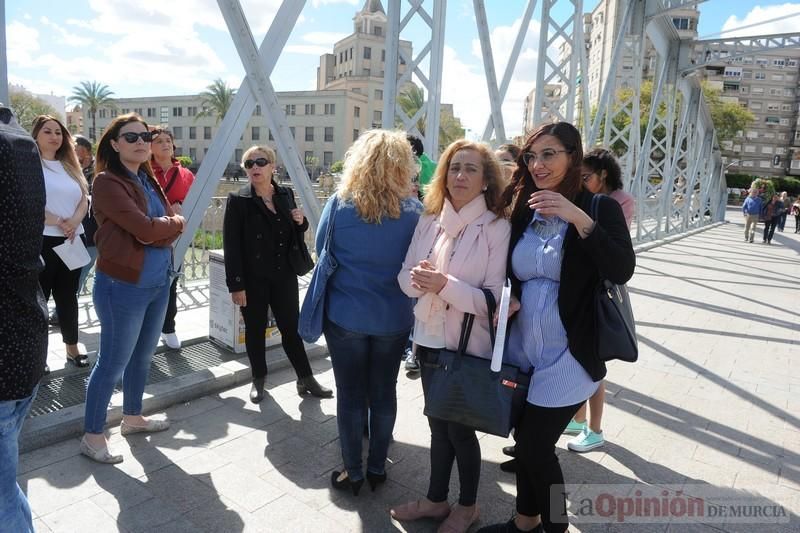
x: 23, y: 312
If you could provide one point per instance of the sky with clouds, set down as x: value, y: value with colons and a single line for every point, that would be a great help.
x: 179, y: 46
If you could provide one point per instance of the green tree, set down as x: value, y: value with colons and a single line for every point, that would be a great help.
x: 27, y: 107
x: 92, y: 95
x: 216, y: 100
x: 728, y: 117
x: 185, y: 160
x: 412, y: 98
x: 337, y: 166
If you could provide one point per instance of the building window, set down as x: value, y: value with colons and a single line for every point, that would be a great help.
x: 757, y: 90
x: 271, y: 138
x: 327, y: 159
x: 328, y: 134
x: 377, y: 116
x: 377, y: 30
x: 760, y: 75
x: 330, y: 109
x: 192, y: 132
x: 681, y: 23
x: 191, y: 111
x: 151, y: 112
x: 193, y: 153
x: 355, y: 135
x: 378, y: 94
x: 772, y: 120
x: 258, y: 110
x: 356, y: 111
x: 255, y: 133
x: 755, y: 106
x: 366, y: 72
x: 291, y: 109
x: 383, y: 55
x: 351, y: 53
x: 788, y: 92
x: 114, y: 112
x: 177, y: 133
x: 780, y: 63
x: 310, y: 109
x: 766, y: 149
x: 101, y: 113
x: 309, y: 158
x: 237, y: 155
x: 206, y: 132
x: 177, y: 111
x: 164, y: 115
x: 367, y: 52
x: 125, y: 110
x: 309, y: 133
x: 291, y: 130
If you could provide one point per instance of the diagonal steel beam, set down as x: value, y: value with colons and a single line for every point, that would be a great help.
x: 495, y: 100
x: 232, y: 125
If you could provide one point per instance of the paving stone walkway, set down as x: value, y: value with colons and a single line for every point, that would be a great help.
x: 712, y: 403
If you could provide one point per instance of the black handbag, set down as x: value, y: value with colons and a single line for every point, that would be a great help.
x: 299, y: 257
x: 462, y: 388
x: 614, y: 324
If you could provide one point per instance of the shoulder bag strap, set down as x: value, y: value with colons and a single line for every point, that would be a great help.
x: 491, y: 307
x: 469, y: 319
x: 329, y: 229
x: 172, y: 180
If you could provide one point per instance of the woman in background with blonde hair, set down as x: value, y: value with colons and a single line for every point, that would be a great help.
x: 367, y: 316
x: 67, y: 203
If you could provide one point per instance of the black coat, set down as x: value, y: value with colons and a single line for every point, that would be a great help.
x: 606, y: 252
x: 250, y: 253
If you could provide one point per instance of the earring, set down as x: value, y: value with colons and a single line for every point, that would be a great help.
x: 484, y: 189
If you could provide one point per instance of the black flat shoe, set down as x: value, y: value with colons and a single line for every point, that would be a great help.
x: 309, y: 385
x: 257, y: 390
x: 346, y: 483
x: 510, y: 451
x: 375, y: 479
x: 509, y: 527
x: 81, y: 360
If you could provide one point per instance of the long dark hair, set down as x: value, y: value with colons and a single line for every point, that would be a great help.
x: 107, y: 158
x: 65, y: 153
x: 601, y: 159
x: 522, y: 185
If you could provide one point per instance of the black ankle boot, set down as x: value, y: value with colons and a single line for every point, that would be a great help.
x: 257, y: 390
x: 375, y: 479
x: 309, y: 385
x: 346, y: 483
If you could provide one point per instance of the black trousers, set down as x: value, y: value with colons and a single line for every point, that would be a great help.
x: 452, y: 442
x: 797, y: 223
x: 282, y: 296
x: 62, y: 283
x: 769, y: 228
x: 172, y: 308
x: 537, y: 464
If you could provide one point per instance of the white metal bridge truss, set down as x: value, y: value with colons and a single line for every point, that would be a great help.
x: 671, y: 159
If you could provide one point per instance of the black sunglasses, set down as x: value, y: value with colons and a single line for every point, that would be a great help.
x: 261, y: 161
x: 131, y: 137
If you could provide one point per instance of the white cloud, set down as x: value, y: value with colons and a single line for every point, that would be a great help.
x: 318, y: 3
x: 21, y: 42
x: 781, y: 12
x: 324, y: 38
x: 67, y: 38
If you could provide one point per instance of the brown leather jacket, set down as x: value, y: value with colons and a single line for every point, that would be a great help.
x: 120, y: 207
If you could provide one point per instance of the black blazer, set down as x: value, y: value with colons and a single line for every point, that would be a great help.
x: 250, y: 254
x: 606, y: 252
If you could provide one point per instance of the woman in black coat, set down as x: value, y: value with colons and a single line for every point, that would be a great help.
x: 557, y: 257
x: 264, y: 254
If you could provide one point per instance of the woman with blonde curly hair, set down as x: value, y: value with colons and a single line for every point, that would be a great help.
x: 367, y: 316
x: 459, y: 248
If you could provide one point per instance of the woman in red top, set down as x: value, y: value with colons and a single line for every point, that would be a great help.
x: 175, y: 180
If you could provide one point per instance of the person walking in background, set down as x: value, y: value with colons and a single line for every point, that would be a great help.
x: 175, y: 180
x: 459, y: 248
x: 796, y: 214
x: 771, y: 214
x: 67, y: 203
x: 136, y: 229
x: 557, y: 257
x: 262, y: 224
x: 427, y: 167
x: 83, y: 149
x: 23, y: 329
x: 367, y: 317
x: 751, y: 208
x: 787, y: 204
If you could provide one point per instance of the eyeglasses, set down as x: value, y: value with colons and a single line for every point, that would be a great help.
x: 587, y: 177
x: 530, y: 158
x: 261, y: 161
x: 131, y: 137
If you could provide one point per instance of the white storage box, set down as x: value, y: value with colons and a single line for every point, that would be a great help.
x: 225, y: 321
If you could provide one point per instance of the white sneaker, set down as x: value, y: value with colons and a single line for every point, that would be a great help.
x: 171, y: 340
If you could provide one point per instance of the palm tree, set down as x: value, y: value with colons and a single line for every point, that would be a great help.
x: 217, y: 99
x: 92, y: 95
x: 412, y: 98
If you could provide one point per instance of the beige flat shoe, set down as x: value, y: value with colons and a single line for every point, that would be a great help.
x: 459, y: 520
x: 414, y: 511
x: 152, y: 426
x: 101, y: 456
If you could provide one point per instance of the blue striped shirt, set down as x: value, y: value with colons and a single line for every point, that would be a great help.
x: 537, y: 337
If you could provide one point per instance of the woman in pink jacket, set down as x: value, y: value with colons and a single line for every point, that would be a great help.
x: 459, y: 247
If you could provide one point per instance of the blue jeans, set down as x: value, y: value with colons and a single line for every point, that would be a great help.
x: 15, y: 513
x: 130, y: 325
x: 85, y: 270
x: 365, y: 368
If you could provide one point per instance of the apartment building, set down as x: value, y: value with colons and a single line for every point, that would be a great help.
x: 765, y: 83
x: 324, y: 122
